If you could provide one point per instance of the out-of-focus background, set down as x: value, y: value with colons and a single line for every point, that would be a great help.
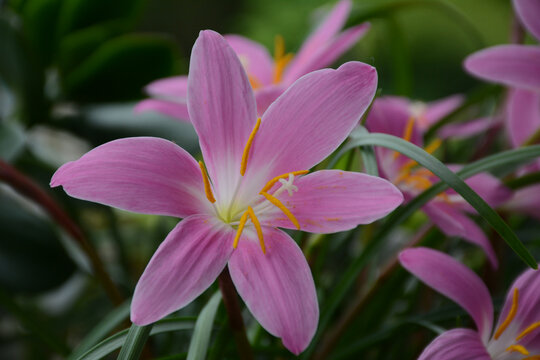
x: 71, y: 72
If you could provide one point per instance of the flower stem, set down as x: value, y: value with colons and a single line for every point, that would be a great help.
x: 26, y: 187
x: 230, y: 299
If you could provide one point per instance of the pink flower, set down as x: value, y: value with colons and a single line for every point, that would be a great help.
x: 256, y: 181
x: 517, y: 334
x: 394, y: 116
x: 518, y: 67
x: 268, y: 77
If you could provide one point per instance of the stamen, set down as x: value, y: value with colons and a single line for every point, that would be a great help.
x: 433, y: 146
x: 281, y: 207
x: 279, y: 47
x: 245, y: 154
x: 420, y: 182
x: 510, y: 316
x: 207, y: 187
x: 241, y: 225
x: 280, y: 59
x: 281, y: 64
x: 271, y: 183
x: 518, y: 348
x: 407, y: 134
x: 528, y: 330
x: 254, y: 82
x: 257, y: 225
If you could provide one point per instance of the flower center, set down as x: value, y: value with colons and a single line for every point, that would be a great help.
x: 232, y: 210
x: 506, y: 323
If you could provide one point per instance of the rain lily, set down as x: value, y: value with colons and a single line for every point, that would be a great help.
x: 448, y: 210
x: 518, y: 67
x: 253, y: 179
x: 517, y: 333
x: 268, y: 77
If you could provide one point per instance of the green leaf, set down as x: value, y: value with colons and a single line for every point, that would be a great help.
x: 452, y: 180
x: 40, y: 22
x: 133, y: 346
x: 121, y: 67
x: 385, y: 9
x: 32, y: 258
x: 101, y: 330
x: 117, y: 340
x: 78, y: 14
x: 203, y: 329
x: 77, y: 46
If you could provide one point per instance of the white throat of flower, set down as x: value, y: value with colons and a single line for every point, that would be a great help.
x: 238, y: 215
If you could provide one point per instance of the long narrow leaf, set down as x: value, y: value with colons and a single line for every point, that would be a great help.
x: 136, y: 338
x: 101, y: 330
x: 203, y: 329
x: 452, y: 180
x: 116, y: 341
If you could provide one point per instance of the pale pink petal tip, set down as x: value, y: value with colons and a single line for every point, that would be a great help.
x: 454, y: 280
x: 277, y: 287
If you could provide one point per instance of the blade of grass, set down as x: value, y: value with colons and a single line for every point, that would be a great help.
x: 203, y: 329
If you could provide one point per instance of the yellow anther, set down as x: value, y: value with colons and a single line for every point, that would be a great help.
x: 243, y: 220
x: 407, y: 134
x: 518, y: 348
x: 433, y: 146
x: 280, y: 66
x: 245, y: 154
x: 510, y: 316
x: 281, y: 207
x: 254, y: 82
x: 207, y: 187
x: 271, y: 183
x: 528, y: 330
x: 279, y: 47
x: 418, y: 181
x: 280, y: 59
x: 257, y: 225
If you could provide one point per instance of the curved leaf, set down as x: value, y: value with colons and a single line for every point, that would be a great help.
x: 203, y: 329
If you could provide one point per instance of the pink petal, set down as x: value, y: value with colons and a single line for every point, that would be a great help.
x: 490, y: 188
x: 462, y: 344
x: 333, y: 200
x: 186, y: 263
x: 221, y: 107
x: 528, y: 311
x: 529, y: 13
x: 146, y: 175
x: 310, y: 120
x: 324, y: 33
x: 455, y: 281
x: 277, y: 287
x: 266, y: 96
x: 437, y: 110
x: 513, y: 65
x: 452, y: 222
x: 176, y: 110
x: 255, y: 58
x: 390, y: 115
x: 526, y: 201
x: 467, y: 128
x: 329, y: 53
x: 523, y: 120
x: 172, y: 88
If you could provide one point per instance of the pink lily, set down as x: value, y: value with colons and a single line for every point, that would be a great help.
x: 268, y: 77
x: 517, y: 66
x: 517, y: 334
x: 256, y: 181
x: 448, y: 211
